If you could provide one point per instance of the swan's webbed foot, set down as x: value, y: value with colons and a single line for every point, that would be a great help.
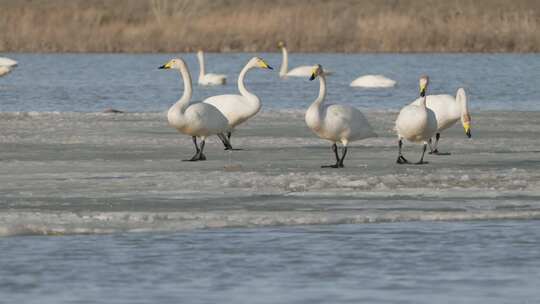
x: 401, y: 160
x: 194, y: 158
x: 436, y: 152
x: 421, y: 163
x: 202, y: 157
x: 331, y: 166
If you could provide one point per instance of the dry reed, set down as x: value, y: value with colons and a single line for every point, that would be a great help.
x: 256, y: 25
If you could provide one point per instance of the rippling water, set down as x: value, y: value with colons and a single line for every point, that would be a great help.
x: 100, y: 208
x: 92, y: 82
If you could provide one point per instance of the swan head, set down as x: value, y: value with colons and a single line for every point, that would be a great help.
x: 175, y: 63
x: 259, y: 63
x: 281, y: 44
x: 317, y: 71
x: 423, y: 83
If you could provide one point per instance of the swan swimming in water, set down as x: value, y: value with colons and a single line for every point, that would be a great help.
x: 210, y: 78
x: 373, y: 81
x: 416, y: 123
x: 8, y: 62
x: 335, y: 122
x: 199, y: 119
x: 301, y: 71
x: 448, y: 110
x: 239, y: 108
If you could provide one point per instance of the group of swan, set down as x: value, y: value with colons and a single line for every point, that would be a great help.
x: 6, y: 65
x: 428, y: 116
x: 216, y: 115
x: 366, y: 81
x: 219, y: 115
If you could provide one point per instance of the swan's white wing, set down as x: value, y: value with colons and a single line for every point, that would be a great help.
x: 234, y: 107
x: 346, y: 123
x: 445, y: 107
x: 213, y: 79
x: 301, y: 71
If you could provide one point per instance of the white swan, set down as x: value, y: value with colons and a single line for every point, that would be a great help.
x: 448, y: 110
x: 4, y: 70
x: 210, y: 78
x: 7, y: 62
x: 301, y: 71
x: 334, y: 122
x: 416, y: 123
x: 239, y: 108
x: 373, y: 81
x: 199, y: 119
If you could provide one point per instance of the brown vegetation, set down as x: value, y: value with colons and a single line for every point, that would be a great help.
x: 256, y: 25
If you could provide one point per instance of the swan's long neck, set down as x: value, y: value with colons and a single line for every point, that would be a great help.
x: 461, y: 98
x: 423, y: 99
x: 314, y: 114
x: 202, y: 70
x: 284, y: 62
x: 252, y: 98
x: 181, y: 105
x: 322, y: 91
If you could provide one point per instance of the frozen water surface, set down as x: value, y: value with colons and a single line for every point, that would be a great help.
x: 92, y: 173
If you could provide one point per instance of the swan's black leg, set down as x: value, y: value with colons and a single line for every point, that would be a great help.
x: 197, y: 150
x: 342, y: 157
x: 229, y: 134
x: 334, y: 148
x: 201, y: 155
x: 421, y: 162
x: 434, y: 149
x: 225, y: 141
x: 401, y: 159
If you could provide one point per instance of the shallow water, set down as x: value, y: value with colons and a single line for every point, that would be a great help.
x: 429, y: 262
x: 93, y: 82
x: 138, y: 225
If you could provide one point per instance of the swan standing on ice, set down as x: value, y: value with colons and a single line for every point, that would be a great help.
x: 373, y: 81
x: 7, y: 62
x: 416, y: 123
x: 210, y: 78
x: 199, y: 119
x: 448, y: 110
x: 301, y: 71
x: 239, y: 108
x: 334, y: 122
x: 4, y: 70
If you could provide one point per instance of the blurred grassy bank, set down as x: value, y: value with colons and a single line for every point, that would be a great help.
x: 256, y: 25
